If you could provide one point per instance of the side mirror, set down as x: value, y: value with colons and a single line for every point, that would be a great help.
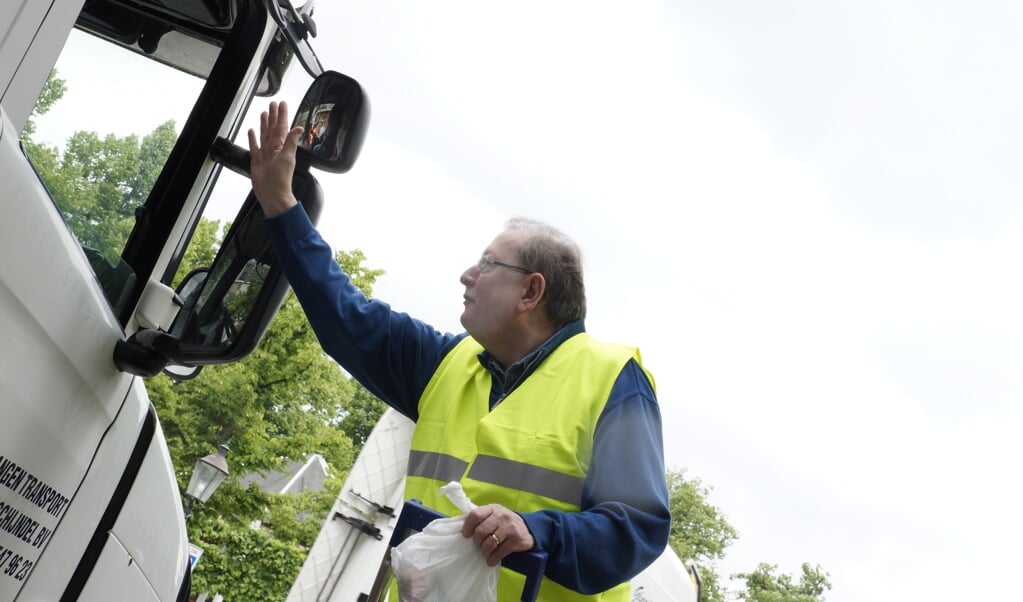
x: 228, y: 306
x: 334, y: 115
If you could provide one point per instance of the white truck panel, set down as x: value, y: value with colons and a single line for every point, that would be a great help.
x: 73, y: 419
x: 149, y: 534
x: 32, y: 34
x: 124, y: 580
x: 63, y: 395
x: 151, y: 528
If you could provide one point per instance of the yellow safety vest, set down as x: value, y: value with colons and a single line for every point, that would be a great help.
x: 532, y: 452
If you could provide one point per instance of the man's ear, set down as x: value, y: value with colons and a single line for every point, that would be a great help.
x: 532, y: 293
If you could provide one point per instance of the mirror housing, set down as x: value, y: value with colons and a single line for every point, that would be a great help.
x: 227, y: 307
x: 334, y: 115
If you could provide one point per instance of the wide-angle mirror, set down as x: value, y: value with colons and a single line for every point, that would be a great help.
x: 227, y: 307
x: 333, y: 114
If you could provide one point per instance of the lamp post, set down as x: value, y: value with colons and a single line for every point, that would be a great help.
x: 209, y: 473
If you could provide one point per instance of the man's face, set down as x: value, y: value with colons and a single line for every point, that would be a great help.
x: 492, y: 294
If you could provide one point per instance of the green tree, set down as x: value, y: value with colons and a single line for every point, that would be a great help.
x: 763, y: 585
x: 153, y: 153
x: 91, y: 188
x: 98, y: 182
x: 360, y: 415
x: 53, y: 90
x: 249, y: 564
x: 699, y: 531
x: 285, y: 401
x: 202, y: 249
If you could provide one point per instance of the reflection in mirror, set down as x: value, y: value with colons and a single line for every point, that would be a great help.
x: 219, y: 300
x: 333, y: 115
x: 213, y: 325
x: 191, y: 286
x: 326, y: 130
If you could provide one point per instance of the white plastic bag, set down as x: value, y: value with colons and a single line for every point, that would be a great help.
x: 439, y: 565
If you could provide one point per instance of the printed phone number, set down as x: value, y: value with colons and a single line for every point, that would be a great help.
x: 14, y: 565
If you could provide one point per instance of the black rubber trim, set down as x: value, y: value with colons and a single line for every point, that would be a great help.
x: 157, y: 217
x: 186, y: 586
x: 106, y: 524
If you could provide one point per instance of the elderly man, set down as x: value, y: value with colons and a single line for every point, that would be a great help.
x: 555, y: 434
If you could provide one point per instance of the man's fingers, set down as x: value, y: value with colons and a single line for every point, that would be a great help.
x: 291, y: 142
x: 272, y: 114
x: 279, y: 117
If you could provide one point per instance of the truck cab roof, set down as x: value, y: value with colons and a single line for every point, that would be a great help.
x: 182, y: 33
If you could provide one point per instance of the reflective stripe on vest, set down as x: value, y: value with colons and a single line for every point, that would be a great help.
x: 525, y: 477
x: 440, y: 467
x: 498, y: 471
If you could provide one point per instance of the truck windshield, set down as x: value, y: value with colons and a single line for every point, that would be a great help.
x: 99, y: 137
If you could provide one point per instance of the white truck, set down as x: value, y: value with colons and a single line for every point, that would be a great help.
x: 89, y: 505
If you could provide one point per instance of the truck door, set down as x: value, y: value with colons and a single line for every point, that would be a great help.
x: 100, y: 196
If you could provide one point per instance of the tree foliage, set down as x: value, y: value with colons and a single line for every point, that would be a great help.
x: 285, y: 401
x: 245, y: 563
x: 98, y: 181
x: 763, y: 585
x: 699, y: 531
x: 53, y: 90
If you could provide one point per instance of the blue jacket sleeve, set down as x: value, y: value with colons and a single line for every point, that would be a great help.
x: 625, y: 518
x: 391, y: 354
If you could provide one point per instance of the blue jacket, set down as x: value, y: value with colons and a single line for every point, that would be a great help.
x: 625, y: 520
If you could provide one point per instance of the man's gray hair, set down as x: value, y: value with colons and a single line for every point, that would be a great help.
x: 550, y: 252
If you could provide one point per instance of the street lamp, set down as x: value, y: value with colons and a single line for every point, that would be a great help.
x: 209, y: 473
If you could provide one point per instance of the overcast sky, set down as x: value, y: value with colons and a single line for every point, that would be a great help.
x: 805, y: 214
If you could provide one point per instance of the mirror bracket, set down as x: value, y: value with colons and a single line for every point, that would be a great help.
x: 145, y: 353
x: 294, y: 25
x: 158, y: 306
x: 231, y: 156
x: 239, y: 159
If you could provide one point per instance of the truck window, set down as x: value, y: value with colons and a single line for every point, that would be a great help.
x: 100, y: 148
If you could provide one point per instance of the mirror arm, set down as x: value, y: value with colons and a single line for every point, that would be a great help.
x: 145, y: 353
x: 296, y: 27
x: 239, y: 160
x: 231, y: 156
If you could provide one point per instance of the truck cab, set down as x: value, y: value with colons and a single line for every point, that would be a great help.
x: 92, y: 295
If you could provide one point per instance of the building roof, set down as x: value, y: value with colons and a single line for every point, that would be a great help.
x: 296, y: 476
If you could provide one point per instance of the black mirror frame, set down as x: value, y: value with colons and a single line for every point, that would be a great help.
x: 275, y: 286
x: 349, y: 102
x: 149, y: 352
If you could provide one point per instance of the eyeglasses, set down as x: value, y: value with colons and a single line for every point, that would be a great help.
x: 486, y: 263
